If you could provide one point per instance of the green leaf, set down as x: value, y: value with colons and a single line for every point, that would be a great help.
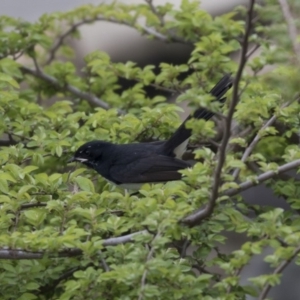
x: 85, y: 184
x: 27, y: 296
x: 3, y: 186
x: 32, y: 286
x: 59, y: 150
x: 6, y: 177
x: 29, y: 169
x: 9, y: 79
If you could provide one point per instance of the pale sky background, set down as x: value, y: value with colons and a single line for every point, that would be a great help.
x: 32, y: 9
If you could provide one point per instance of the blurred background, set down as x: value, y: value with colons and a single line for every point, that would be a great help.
x: 123, y: 44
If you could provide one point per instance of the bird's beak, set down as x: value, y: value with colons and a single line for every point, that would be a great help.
x: 72, y: 159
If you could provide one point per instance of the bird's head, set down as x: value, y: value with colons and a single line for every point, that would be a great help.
x: 89, y: 153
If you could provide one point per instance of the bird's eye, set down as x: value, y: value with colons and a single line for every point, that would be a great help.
x: 87, y: 152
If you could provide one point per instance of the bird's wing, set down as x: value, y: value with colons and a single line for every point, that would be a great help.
x: 154, y: 168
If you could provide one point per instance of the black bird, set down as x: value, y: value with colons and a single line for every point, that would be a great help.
x: 131, y: 165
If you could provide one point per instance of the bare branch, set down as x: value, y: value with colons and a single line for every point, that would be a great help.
x: 233, y: 104
x: 252, y: 51
x: 185, y: 246
x: 254, y: 142
x: 6, y: 253
x: 7, y: 143
x: 159, y: 36
x: 155, y: 12
x: 103, y: 262
x: 122, y: 239
x: 91, y: 99
x: 144, y: 276
x: 61, y: 39
x: 51, y: 287
x: 292, y: 29
x: 263, y: 295
x: 31, y: 205
x: 196, y: 217
x: 16, y: 254
x: 263, y: 177
x: 11, y: 134
x: 164, y: 38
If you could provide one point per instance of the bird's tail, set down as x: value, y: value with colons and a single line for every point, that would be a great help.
x: 180, y: 138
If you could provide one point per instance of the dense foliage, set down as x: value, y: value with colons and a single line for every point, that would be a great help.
x: 58, y: 223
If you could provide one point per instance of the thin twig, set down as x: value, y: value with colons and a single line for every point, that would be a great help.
x: 145, y: 29
x: 7, y: 143
x: 197, y: 216
x: 144, y: 276
x: 263, y: 177
x: 62, y: 224
x: 50, y: 287
x: 236, y: 274
x: 61, y: 39
x: 278, y: 270
x: 16, y: 254
x: 155, y: 12
x: 233, y: 104
x: 254, y: 142
x: 31, y: 205
x: 292, y: 29
x: 164, y: 38
x: 103, y: 262
x: 252, y: 51
x: 122, y: 239
x: 90, y: 98
x: 11, y: 134
x: 184, y: 248
x: 37, y: 67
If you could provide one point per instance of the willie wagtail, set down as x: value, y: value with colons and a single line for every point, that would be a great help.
x: 131, y: 165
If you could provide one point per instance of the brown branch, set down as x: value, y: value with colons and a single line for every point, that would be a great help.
x: 155, y: 12
x: 103, y: 262
x: 201, y: 214
x: 7, y: 253
x: 233, y: 104
x: 256, y: 139
x: 31, y: 205
x: 197, y: 216
x: 292, y: 29
x: 144, y: 276
x: 90, y: 98
x: 122, y: 239
x: 7, y: 143
x: 263, y: 177
x: 50, y: 287
x: 11, y: 134
x: 61, y: 39
x: 253, y: 50
x: 145, y: 29
x: 164, y: 38
x: 16, y: 254
x: 278, y: 270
